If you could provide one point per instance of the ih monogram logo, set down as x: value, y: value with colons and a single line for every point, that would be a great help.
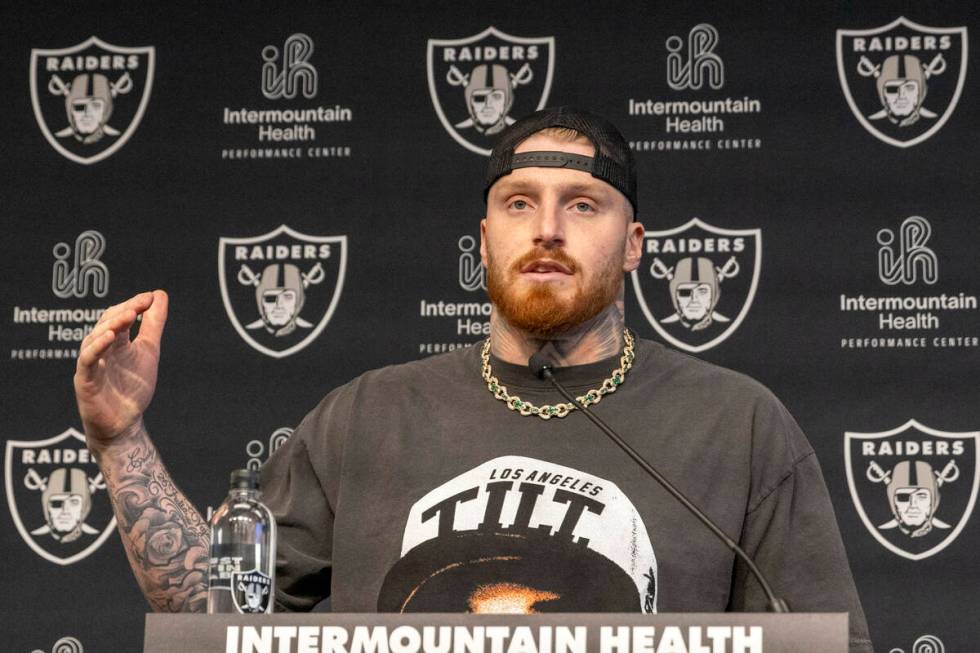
x: 296, y: 72
x: 700, y: 66
x: 84, y: 272
x: 472, y: 274
x: 911, y: 258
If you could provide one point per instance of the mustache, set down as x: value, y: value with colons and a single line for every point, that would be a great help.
x: 557, y: 255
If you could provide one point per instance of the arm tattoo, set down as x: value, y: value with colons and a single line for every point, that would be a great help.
x: 165, y: 537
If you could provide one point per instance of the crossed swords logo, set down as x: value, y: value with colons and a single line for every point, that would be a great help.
x: 34, y: 481
x: 248, y: 278
x: 935, y: 67
x: 121, y: 86
x: 950, y: 473
x: 658, y: 270
x: 456, y: 77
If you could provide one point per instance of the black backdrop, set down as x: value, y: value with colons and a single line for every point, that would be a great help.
x: 393, y: 192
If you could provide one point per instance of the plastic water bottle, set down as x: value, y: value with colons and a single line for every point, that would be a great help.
x: 241, y: 576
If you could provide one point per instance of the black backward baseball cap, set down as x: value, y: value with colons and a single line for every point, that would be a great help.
x: 613, y: 161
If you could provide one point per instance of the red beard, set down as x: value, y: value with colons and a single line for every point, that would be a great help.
x: 540, y: 310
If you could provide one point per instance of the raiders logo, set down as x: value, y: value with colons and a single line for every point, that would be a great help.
x: 280, y: 289
x: 56, y: 497
x: 902, y: 80
x: 479, y: 82
x: 252, y: 591
x: 914, y: 486
x: 696, y: 282
x: 88, y: 99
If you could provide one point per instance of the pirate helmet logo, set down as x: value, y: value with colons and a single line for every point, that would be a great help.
x: 917, y: 74
x: 925, y: 487
x: 697, y: 261
x: 252, y: 591
x: 89, y: 98
x: 499, y: 75
x: 56, y: 497
x: 286, y: 304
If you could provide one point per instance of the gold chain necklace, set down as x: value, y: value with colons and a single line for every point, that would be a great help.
x: 559, y: 410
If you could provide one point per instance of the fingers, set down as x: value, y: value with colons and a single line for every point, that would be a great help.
x: 155, y: 317
x: 137, y: 303
x: 112, y: 330
x: 105, y: 334
x: 91, y: 352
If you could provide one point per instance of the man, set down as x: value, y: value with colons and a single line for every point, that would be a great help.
x: 462, y: 482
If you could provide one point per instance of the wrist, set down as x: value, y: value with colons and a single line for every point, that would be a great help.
x: 106, y: 447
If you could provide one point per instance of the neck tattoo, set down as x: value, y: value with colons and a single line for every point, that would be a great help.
x: 547, y: 411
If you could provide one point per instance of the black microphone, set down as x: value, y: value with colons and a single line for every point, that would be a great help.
x: 544, y: 369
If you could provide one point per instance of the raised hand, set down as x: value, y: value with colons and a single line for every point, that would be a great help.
x: 115, y: 377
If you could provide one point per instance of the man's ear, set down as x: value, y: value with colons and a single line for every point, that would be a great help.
x: 483, y: 241
x: 634, y: 246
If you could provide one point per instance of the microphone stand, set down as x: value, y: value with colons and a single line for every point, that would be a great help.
x: 545, y: 370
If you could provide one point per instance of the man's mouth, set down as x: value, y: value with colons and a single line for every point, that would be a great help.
x: 546, y: 267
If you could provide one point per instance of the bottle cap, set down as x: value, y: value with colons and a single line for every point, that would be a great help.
x: 245, y: 479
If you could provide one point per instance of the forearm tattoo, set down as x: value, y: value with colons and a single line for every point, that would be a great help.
x: 165, y: 537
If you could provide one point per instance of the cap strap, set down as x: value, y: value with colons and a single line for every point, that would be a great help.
x: 552, y: 160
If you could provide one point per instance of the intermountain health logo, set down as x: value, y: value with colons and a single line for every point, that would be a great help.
x: 478, y: 84
x: 913, y: 308
x: 463, y: 311
x: 89, y: 98
x: 56, y: 496
x: 902, y: 80
x: 280, y: 289
x: 291, y: 123
x: 79, y: 279
x: 696, y: 282
x: 913, y: 486
x: 700, y: 114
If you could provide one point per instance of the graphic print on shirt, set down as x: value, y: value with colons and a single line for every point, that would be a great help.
x: 520, y: 535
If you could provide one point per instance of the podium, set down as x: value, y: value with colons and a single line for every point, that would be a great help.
x: 466, y: 633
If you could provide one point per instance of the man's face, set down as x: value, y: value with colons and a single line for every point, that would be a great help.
x: 694, y: 300
x: 902, y: 96
x: 488, y: 105
x: 279, y: 305
x: 87, y: 114
x: 556, y: 243
x: 913, y: 505
x: 65, y: 511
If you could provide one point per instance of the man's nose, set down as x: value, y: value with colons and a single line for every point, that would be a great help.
x: 549, y: 225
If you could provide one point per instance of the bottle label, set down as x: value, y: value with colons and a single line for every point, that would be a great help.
x: 226, y: 559
x: 252, y: 591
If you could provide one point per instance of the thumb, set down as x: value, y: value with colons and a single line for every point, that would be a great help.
x: 155, y: 317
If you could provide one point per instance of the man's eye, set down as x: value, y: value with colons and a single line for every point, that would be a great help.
x: 584, y: 207
x: 520, y: 205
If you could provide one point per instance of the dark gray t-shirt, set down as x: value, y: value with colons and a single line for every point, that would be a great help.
x: 412, y: 488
